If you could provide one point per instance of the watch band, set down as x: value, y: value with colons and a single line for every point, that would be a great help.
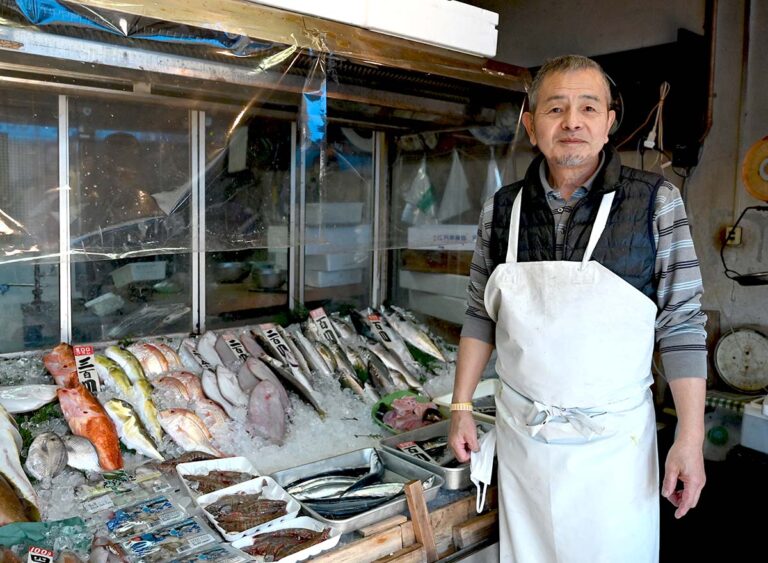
x: 461, y: 407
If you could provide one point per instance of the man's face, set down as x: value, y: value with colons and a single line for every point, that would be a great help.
x: 571, y: 121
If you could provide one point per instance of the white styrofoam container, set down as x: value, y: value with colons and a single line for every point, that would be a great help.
x: 452, y: 25
x: 440, y: 306
x: 443, y: 237
x: 336, y: 262
x: 754, y: 426
x: 343, y: 213
x: 105, y: 304
x: 451, y: 285
x: 319, y: 278
x: 484, y: 388
x: 139, y: 271
x: 299, y: 522
x: 328, y: 239
x: 240, y: 464
x: 271, y: 491
x: 353, y: 12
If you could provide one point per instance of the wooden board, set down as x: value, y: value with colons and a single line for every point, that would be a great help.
x: 476, y: 529
x: 383, y: 525
x: 366, y: 550
x: 422, y: 526
x: 412, y: 554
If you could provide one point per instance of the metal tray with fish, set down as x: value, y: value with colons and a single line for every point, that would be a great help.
x: 428, y: 448
x: 306, y: 523
x: 267, y: 489
x: 193, y: 474
x: 359, y: 464
x: 483, y: 401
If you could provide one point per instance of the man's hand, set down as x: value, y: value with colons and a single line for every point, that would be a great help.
x: 462, y: 437
x: 685, y: 463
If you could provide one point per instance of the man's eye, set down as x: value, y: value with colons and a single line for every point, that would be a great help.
x: 589, y: 108
x: 555, y: 110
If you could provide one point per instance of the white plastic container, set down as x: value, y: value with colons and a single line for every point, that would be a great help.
x: 326, y: 239
x: 301, y: 522
x: 485, y: 388
x: 105, y: 304
x: 754, y: 426
x: 269, y: 489
x: 443, y: 237
x: 240, y: 464
x: 319, y: 278
x: 139, y: 271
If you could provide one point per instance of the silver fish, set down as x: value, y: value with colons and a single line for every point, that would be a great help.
x: 321, y: 487
x: 393, y: 362
x: 230, y: 388
x: 326, y: 354
x: 230, y: 350
x: 47, y: 458
x: 308, y: 350
x: 301, y: 385
x: 412, y: 334
x: 376, y: 490
x: 380, y: 374
x: 191, y: 358
x: 81, y: 454
x: 211, y: 390
x: 347, y: 375
x: 355, y: 358
x: 385, y: 334
x: 188, y: 431
x: 26, y: 398
x: 10, y: 465
x: 298, y: 356
x: 206, y: 347
x: 131, y: 430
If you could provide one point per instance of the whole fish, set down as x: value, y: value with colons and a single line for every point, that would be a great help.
x: 380, y: 374
x: 230, y: 350
x: 298, y: 356
x: 188, y: 431
x: 346, y: 329
x: 211, y: 390
x: 191, y: 358
x: 395, y: 364
x: 26, y: 398
x: 375, y: 490
x: 171, y: 356
x: 10, y: 466
x: 301, y: 385
x: 206, y: 347
x: 172, y: 385
x: 266, y: 415
x: 191, y: 382
x: 81, y: 454
x: 246, y: 378
x: 47, y: 458
x: 352, y: 354
x: 210, y: 411
x: 321, y: 487
x: 60, y: 363
x: 230, y: 388
x: 325, y: 353
x: 260, y: 372
x: 11, y: 510
x: 152, y: 360
x: 131, y: 430
x: 127, y: 361
x: 250, y: 344
x: 347, y: 375
x: 310, y: 353
x: 112, y: 375
x: 412, y: 334
x: 385, y: 334
x: 141, y: 399
x: 87, y: 418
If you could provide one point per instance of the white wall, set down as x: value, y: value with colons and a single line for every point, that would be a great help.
x: 531, y: 31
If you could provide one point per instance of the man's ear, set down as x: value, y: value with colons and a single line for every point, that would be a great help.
x: 611, y: 122
x: 528, y: 123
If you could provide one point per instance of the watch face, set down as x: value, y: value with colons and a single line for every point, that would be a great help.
x: 741, y: 360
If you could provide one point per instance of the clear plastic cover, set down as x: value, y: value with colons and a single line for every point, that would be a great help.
x: 191, y: 177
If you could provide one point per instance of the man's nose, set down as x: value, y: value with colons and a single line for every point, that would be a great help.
x: 571, y: 119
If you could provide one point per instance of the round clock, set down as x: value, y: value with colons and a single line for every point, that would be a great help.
x: 741, y: 360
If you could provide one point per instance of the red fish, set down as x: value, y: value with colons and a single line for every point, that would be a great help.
x: 87, y: 418
x: 60, y: 362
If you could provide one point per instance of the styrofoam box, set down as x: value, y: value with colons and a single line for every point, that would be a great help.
x: 451, y: 285
x: 299, y: 522
x: 319, y: 278
x: 324, y: 240
x: 353, y: 13
x: 271, y: 491
x: 453, y: 25
x: 754, y: 426
x: 440, y: 306
x: 346, y: 213
x: 139, y: 271
x: 484, y: 388
x: 326, y: 262
x: 240, y: 464
x: 105, y: 304
x: 450, y: 237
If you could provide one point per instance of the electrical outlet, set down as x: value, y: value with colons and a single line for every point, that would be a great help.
x: 734, y: 236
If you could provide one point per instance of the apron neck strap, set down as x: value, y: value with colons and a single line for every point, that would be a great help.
x: 597, y: 229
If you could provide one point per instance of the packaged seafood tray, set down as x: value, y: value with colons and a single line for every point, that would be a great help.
x: 411, y: 446
x: 165, y: 544
x: 267, y: 488
x: 304, y: 522
x: 483, y: 401
x: 233, y: 465
x: 396, y: 470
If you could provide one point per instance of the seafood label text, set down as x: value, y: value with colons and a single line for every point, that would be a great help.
x: 200, y: 359
x: 86, y: 370
x: 277, y: 341
x: 237, y: 348
x: 326, y: 329
x: 378, y: 327
x: 39, y: 555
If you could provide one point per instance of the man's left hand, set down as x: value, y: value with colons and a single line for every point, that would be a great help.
x: 685, y: 463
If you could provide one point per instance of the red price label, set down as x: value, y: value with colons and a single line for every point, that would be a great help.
x: 83, y: 350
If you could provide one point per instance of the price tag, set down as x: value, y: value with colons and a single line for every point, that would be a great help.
x: 323, y: 323
x: 237, y: 348
x: 413, y: 449
x: 378, y: 326
x: 39, y: 555
x: 86, y: 370
x: 98, y: 504
x: 274, y: 338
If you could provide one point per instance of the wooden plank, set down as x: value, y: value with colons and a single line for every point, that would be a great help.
x: 476, y: 529
x: 412, y: 554
x: 366, y: 550
x: 383, y: 525
x: 422, y: 527
x: 445, y: 518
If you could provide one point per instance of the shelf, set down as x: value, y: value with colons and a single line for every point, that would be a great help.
x: 232, y: 297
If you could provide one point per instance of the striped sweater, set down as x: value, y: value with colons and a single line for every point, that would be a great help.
x: 680, y: 321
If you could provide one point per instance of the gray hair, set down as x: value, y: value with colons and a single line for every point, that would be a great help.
x: 565, y: 63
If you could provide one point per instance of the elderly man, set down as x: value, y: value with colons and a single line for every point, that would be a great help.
x: 577, y: 269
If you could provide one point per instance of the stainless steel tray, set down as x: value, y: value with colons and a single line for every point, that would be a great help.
x: 455, y: 477
x: 396, y: 469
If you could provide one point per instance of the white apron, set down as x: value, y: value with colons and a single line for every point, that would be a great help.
x: 576, y: 431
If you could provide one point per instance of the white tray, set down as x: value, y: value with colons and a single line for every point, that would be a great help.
x: 272, y: 491
x: 484, y: 388
x: 241, y: 464
x: 300, y: 522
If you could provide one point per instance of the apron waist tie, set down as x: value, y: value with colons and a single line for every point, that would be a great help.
x: 581, y: 420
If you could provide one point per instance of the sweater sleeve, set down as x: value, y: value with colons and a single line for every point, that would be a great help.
x: 680, y: 321
x: 477, y: 323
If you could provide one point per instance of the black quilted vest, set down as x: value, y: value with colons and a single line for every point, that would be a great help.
x: 626, y: 247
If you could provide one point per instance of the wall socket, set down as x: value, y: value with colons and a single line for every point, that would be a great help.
x: 735, y: 237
